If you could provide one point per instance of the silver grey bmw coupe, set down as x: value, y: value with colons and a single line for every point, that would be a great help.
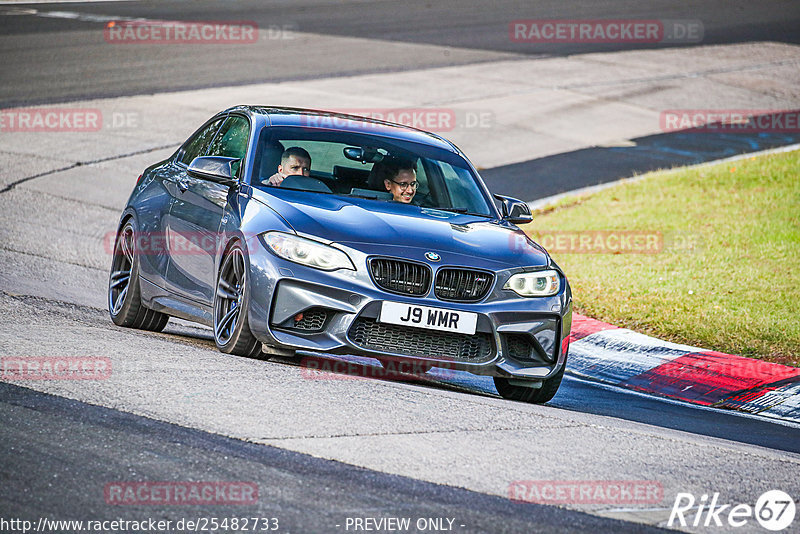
x: 292, y: 231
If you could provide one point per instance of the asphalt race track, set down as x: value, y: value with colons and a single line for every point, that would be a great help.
x: 325, y: 448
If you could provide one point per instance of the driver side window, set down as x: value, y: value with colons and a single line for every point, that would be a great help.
x: 232, y: 140
x: 199, y: 143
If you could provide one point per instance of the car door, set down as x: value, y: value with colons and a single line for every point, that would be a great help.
x: 159, y: 193
x: 196, y: 214
x: 152, y: 211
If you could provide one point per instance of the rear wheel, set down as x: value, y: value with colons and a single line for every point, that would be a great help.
x: 232, y: 333
x: 512, y: 390
x: 124, y: 295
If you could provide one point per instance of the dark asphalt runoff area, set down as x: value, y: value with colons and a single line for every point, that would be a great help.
x: 641, y: 408
x: 57, y: 456
x: 551, y: 175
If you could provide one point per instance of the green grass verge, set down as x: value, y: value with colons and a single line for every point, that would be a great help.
x: 727, y: 276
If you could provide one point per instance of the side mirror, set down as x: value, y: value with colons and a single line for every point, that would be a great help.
x: 217, y: 169
x: 514, y: 211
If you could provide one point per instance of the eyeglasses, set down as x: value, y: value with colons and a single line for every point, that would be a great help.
x: 405, y: 185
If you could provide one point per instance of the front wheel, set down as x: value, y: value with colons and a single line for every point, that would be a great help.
x: 232, y: 333
x: 540, y: 395
x: 124, y: 295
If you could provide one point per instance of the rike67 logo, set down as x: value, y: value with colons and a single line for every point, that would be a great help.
x: 774, y: 510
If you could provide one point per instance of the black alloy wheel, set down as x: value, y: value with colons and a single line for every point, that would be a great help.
x: 232, y: 333
x: 124, y: 294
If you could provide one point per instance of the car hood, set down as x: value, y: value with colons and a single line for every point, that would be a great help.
x: 379, y: 227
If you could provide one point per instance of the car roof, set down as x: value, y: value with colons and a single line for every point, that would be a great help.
x: 328, y: 120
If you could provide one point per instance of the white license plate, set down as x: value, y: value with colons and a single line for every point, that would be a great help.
x: 427, y: 317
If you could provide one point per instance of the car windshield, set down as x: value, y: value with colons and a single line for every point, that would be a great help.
x: 374, y: 167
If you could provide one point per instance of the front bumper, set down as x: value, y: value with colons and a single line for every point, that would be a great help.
x: 304, y: 309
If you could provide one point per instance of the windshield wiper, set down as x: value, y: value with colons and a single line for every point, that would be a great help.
x: 306, y: 190
x: 465, y: 211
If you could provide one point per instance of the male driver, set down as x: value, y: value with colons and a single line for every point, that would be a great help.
x: 294, y: 160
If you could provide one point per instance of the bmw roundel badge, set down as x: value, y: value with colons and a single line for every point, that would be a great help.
x: 433, y: 256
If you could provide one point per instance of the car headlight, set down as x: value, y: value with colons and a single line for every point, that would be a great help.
x: 537, y: 284
x: 307, y: 252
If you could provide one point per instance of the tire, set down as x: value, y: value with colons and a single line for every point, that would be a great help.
x: 124, y: 294
x: 232, y: 333
x: 528, y: 394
